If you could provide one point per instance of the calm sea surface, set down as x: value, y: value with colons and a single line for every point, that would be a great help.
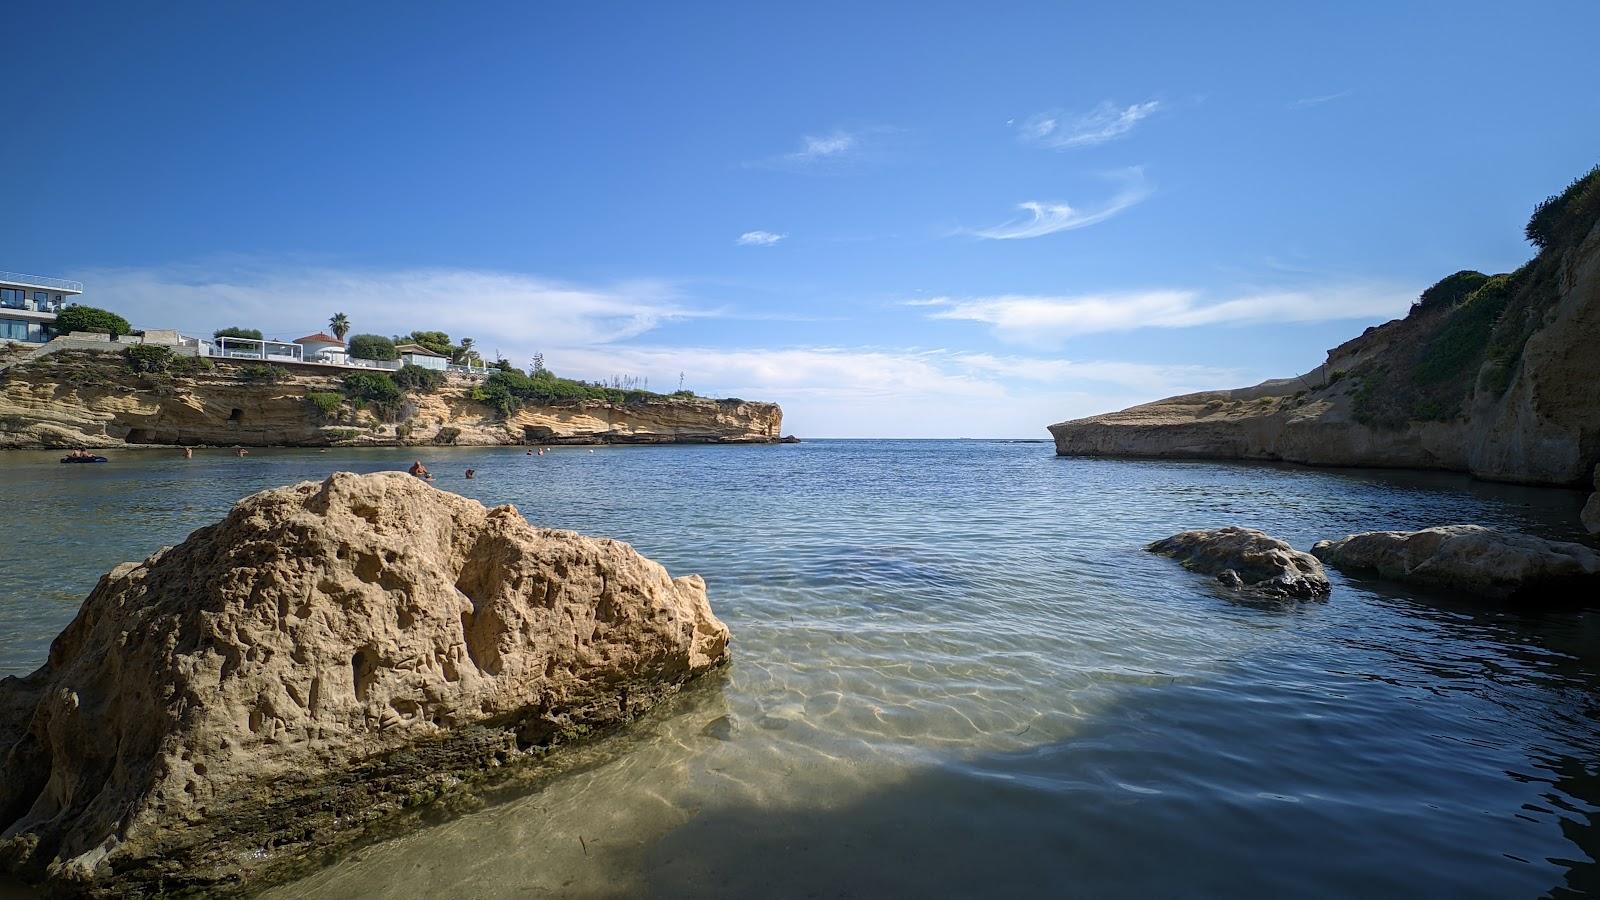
x: 955, y: 672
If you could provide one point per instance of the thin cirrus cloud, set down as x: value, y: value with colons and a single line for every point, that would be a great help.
x: 1045, y: 218
x: 834, y: 151
x: 1105, y: 122
x: 759, y: 239
x: 512, y: 312
x: 1047, y: 321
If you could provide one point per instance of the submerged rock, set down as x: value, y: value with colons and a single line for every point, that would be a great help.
x: 1246, y: 559
x: 324, y: 657
x: 1472, y: 559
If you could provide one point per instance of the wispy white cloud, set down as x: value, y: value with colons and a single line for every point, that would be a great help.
x: 828, y: 146
x: 1304, y: 102
x: 1048, y: 218
x: 1105, y: 122
x: 759, y: 239
x: 513, y: 311
x: 834, y: 151
x: 871, y: 391
x: 1046, y: 321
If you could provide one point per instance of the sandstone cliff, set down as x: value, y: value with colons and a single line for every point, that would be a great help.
x: 1499, y: 382
x: 326, y: 658
x: 83, y: 398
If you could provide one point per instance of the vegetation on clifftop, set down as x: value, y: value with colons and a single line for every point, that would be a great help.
x: 1470, y: 350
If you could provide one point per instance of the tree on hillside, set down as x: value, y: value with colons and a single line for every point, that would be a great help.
x: 372, y: 346
x: 89, y: 318
x: 465, y: 354
x: 339, y: 325
x: 437, y: 341
x: 234, y: 331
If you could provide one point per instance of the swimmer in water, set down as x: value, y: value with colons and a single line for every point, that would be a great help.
x: 420, y: 470
x: 471, y: 474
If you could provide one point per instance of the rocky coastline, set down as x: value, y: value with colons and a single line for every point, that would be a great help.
x: 92, y: 399
x: 1488, y: 375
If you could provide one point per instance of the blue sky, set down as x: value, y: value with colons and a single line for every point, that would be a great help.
x: 909, y: 219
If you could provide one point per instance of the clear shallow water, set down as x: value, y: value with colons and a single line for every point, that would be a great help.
x: 955, y: 672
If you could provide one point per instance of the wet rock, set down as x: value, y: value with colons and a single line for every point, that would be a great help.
x: 1471, y: 559
x: 720, y: 728
x: 1247, y: 560
x: 1591, y: 510
x: 325, y: 657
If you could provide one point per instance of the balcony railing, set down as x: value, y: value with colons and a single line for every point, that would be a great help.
x: 55, y: 284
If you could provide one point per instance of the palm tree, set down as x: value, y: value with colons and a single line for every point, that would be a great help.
x: 340, y: 325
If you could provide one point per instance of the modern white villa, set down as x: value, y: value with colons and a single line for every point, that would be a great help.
x: 29, y: 303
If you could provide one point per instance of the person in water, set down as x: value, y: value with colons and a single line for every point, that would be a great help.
x: 420, y: 470
x: 188, y: 453
x: 471, y: 474
x: 243, y: 453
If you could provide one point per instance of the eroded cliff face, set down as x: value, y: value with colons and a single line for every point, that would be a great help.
x: 1529, y: 412
x: 87, y: 398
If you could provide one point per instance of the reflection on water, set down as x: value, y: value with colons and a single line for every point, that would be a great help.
x: 955, y: 672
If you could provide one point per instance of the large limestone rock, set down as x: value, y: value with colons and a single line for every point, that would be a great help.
x: 1471, y: 559
x: 314, y: 663
x: 1246, y: 559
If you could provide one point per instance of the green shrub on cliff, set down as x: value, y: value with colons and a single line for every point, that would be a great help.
x: 372, y: 346
x: 371, y: 387
x: 326, y: 402
x: 508, y: 389
x: 415, y: 378
x: 235, y: 331
x: 88, y: 318
x: 189, y: 365
x: 1567, y: 217
x: 151, y: 358
x: 1451, y: 290
x: 260, y: 373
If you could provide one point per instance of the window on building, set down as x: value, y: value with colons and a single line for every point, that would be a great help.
x: 12, y: 330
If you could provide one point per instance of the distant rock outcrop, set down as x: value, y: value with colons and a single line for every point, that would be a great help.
x: 1472, y: 559
x: 1489, y: 375
x: 325, y: 656
x: 1246, y: 559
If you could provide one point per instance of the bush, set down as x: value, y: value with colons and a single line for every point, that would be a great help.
x: 341, y: 434
x: 415, y: 378
x: 1567, y: 217
x: 326, y: 402
x: 89, y: 318
x: 374, y: 387
x: 260, y: 373
x: 682, y: 394
x: 190, y: 365
x: 234, y: 331
x: 447, y: 435
x: 1450, y: 290
x: 148, y: 358
x: 372, y: 346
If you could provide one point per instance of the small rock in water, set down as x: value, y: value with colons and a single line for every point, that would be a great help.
x: 1248, y: 560
x: 772, y: 723
x: 720, y: 728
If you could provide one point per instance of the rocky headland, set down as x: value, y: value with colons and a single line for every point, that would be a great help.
x: 327, y: 657
x: 1489, y: 375
x: 94, y: 398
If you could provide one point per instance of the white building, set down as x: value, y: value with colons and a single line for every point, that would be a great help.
x: 321, y: 347
x: 418, y: 355
x: 29, y: 303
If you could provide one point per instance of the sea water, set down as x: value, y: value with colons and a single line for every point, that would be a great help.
x: 955, y: 672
